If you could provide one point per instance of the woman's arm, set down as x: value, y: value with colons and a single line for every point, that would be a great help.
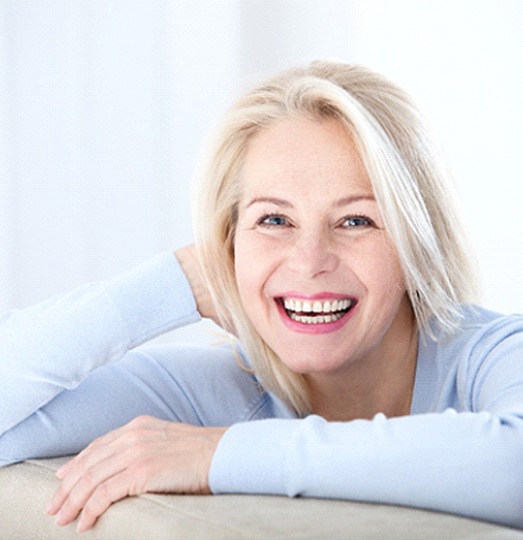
x: 53, y: 346
x: 468, y: 462
x: 463, y: 463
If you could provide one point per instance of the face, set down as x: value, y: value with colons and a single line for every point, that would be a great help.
x: 316, y: 271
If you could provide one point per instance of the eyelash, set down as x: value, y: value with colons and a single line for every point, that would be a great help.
x: 369, y: 222
x: 262, y: 221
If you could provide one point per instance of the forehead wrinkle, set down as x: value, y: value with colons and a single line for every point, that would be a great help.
x: 346, y: 201
x: 283, y: 203
x: 273, y: 200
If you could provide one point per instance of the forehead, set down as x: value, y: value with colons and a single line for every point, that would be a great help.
x: 304, y: 153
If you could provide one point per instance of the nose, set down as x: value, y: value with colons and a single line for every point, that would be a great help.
x: 312, y: 254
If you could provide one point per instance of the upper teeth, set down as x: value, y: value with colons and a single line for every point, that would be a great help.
x: 316, y: 306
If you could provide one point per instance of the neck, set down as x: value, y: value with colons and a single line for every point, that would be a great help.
x: 382, y: 382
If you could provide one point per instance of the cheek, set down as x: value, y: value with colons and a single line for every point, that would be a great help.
x: 395, y: 272
x: 383, y: 274
x: 247, y: 268
x: 391, y: 273
x: 256, y: 265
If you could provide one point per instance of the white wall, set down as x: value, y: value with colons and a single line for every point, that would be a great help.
x: 103, y: 112
x: 463, y: 62
x: 104, y: 105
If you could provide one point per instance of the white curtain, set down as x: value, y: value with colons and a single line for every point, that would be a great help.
x: 104, y: 105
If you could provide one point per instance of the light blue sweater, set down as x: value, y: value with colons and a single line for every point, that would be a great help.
x: 70, y: 370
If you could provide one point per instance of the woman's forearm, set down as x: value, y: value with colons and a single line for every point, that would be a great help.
x: 52, y: 346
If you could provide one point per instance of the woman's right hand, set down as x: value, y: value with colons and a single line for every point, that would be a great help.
x: 147, y: 455
x: 191, y: 266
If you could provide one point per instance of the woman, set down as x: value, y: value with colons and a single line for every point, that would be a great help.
x: 329, y: 245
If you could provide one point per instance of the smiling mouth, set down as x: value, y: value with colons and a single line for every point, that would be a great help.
x: 316, y: 311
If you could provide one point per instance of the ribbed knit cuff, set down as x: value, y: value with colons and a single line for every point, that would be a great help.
x: 153, y: 298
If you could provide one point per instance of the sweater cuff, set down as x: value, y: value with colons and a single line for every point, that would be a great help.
x: 153, y: 298
x: 251, y: 458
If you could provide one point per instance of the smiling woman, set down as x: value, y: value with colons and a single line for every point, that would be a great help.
x: 303, y: 183
x: 355, y: 140
x: 329, y: 245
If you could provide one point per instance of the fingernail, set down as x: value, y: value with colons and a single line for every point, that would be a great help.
x: 81, y: 527
x: 59, y: 519
x: 50, y: 509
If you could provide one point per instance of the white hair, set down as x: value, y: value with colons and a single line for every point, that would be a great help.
x: 411, y: 185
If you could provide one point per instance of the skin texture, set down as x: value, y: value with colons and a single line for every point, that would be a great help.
x: 146, y: 455
x: 309, y: 219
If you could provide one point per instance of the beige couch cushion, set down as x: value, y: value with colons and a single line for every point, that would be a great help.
x: 27, y: 487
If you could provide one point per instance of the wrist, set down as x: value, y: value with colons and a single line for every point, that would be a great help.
x: 192, y: 269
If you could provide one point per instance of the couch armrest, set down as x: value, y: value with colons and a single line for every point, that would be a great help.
x: 26, y: 488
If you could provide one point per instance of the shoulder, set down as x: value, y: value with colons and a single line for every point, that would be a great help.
x: 452, y: 367
x: 481, y: 334
x: 480, y: 328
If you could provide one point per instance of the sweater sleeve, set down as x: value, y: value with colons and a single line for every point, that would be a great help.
x: 54, y: 345
x: 468, y: 462
x: 463, y: 463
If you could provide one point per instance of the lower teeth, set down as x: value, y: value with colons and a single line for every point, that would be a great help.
x: 315, y: 319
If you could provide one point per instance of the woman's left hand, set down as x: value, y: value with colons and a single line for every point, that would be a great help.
x: 146, y: 455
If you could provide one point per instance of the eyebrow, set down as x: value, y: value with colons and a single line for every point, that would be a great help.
x: 283, y: 203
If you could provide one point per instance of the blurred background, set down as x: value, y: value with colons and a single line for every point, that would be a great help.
x: 105, y: 104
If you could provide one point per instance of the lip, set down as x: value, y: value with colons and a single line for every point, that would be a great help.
x: 315, y: 296
x: 314, y: 329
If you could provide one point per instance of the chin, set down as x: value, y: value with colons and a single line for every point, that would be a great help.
x: 316, y: 366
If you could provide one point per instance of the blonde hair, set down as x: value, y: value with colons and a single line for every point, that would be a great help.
x: 412, y: 188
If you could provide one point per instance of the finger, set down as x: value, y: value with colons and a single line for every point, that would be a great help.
x: 84, y: 488
x: 141, y: 423
x: 82, y: 467
x: 99, y: 450
x: 98, y: 443
x: 107, y: 493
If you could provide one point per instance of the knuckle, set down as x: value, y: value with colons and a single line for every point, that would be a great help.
x: 80, y: 462
x: 140, y: 421
x: 87, y: 480
x: 134, y: 455
x: 89, y: 513
x: 136, y: 481
x: 133, y: 439
x: 72, y: 505
x: 75, y: 501
x: 100, y: 441
x: 60, y: 493
x: 102, y: 494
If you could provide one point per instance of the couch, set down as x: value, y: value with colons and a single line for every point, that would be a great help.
x: 25, y: 489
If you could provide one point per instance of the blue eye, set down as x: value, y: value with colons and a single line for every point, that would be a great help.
x: 357, y: 222
x: 272, y: 220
